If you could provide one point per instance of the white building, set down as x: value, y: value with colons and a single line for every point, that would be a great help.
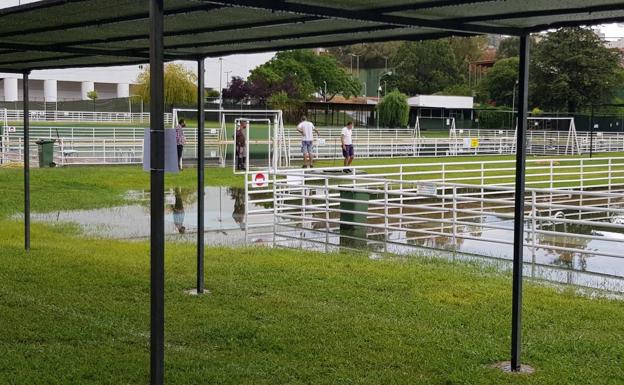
x: 441, y: 101
x: 45, y: 88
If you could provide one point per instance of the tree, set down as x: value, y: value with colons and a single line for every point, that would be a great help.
x: 93, y: 95
x: 371, y: 55
x: 499, y: 83
x: 212, y: 93
x: 424, y: 67
x: 300, y: 73
x: 572, y: 69
x: 510, y: 47
x: 237, y: 90
x: 467, y: 49
x: 180, y: 85
x: 393, y: 110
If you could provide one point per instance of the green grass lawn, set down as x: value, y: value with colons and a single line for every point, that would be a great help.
x: 472, y: 172
x: 76, y: 311
x: 94, y: 186
x: 84, y: 187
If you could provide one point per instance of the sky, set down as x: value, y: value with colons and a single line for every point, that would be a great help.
x: 236, y: 65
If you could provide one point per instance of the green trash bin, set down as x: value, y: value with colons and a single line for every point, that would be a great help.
x: 46, y: 152
x: 361, y: 206
x: 353, y: 235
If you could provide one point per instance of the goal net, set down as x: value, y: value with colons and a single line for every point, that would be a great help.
x: 263, y: 137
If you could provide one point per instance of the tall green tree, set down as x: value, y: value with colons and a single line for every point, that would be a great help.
x: 498, y: 84
x: 308, y: 72
x: 572, y: 69
x: 467, y: 49
x: 510, y: 47
x: 425, y: 67
x: 180, y: 85
x: 371, y: 55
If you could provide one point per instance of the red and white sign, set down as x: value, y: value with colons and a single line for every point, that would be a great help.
x: 259, y: 179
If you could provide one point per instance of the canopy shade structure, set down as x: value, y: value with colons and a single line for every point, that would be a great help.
x: 81, y: 33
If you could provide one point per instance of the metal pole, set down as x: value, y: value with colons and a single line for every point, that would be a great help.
x: 200, y: 175
x: 157, y: 201
x: 516, y: 323
x: 26, y: 161
x: 591, y: 132
x: 220, y: 83
x: 513, y: 104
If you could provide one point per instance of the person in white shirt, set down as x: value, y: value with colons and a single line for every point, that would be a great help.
x: 347, y: 145
x: 307, y: 130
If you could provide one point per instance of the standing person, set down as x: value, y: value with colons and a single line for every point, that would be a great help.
x: 241, y: 146
x: 347, y: 145
x: 307, y: 130
x: 180, y: 140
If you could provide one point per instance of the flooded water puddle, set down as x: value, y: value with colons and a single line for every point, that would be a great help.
x: 224, y: 213
x: 573, y: 259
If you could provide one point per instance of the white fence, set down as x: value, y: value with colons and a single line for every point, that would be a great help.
x: 79, y: 116
x: 101, y: 144
x: 574, y: 212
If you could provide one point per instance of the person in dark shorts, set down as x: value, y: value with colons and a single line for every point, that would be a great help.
x: 241, y: 146
x: 180, y: 141
x: 347, y: 145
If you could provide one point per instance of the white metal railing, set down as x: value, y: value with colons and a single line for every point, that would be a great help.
x: 564, y: 228
x: 81, y: 116
x: 369, y: 143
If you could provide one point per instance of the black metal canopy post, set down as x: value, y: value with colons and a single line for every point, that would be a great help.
x: 200, y: 175
x: 157, y: 196
x: 26, y: 161
x: 518, y: 244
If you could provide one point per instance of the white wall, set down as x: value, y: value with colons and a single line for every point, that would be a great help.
x: 441, y: 101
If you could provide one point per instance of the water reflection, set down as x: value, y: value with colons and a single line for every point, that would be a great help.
x: 178, y: 211
x: 238, y: 196
x: 224, y: 213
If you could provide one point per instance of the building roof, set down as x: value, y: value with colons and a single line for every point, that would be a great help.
x: 79, y: 33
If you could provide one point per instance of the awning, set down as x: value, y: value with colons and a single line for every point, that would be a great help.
x: 81, y: 33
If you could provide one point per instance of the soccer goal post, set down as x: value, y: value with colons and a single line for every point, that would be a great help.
x: 265, y: 142
x: 551, y: 136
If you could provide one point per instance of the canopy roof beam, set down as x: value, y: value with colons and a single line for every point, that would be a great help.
x: 110, y: 20
x: 294, y: 45
x: 195, y: 31
x: 369, y: 15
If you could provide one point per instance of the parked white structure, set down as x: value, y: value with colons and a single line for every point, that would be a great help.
x: 56, y: 90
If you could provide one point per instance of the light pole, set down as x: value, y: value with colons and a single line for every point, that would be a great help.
x: 379, y: 91
x: 378, y: 97
x: 513, y: 103
x: 325, y: 91
x: 364, y: 89
x: 227, y: 79
x: 220, y: 84
x: 357, y: 63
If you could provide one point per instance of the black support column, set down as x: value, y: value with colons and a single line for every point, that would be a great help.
x: 200, y: 175
x: 157, y: 196
x: 26, y: 161
x: 523, y: 91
